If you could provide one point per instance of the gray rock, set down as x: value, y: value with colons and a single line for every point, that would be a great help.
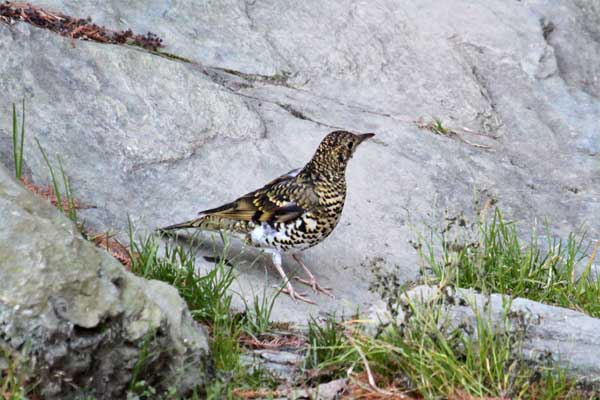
x: 325, y: 391
x: 568, y: 337
x: 81, y: 319
x: 283, y: 365
x: 159, y: 139
x: 280, y: 357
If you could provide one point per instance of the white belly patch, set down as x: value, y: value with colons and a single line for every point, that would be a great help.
x: 264, y: 235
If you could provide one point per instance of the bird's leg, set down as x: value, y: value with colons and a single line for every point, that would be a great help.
x: 312, y: 281
x: 289, y: 289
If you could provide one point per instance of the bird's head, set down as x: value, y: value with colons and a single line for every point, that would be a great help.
x: 336, y: 149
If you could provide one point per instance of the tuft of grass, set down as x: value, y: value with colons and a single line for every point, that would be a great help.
x: 429, y: 358
x: 206, y: 296
x: 257, y: 317
x: 52, y: 174
x: 328, y: 347
x: 496, y: 260
x: 70, y: 209
x: 441, y: 361
x: 18, y: 139
x: 437, y: 127
x: 209, y: 301
x: 14, y: 377
x: 136, y: 385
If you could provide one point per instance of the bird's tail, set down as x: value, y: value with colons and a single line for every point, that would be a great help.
x: 183, y: 225
x: 204, y: 222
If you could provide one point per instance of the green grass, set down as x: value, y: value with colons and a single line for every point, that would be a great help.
x: 209, y: 301
x: 427, y: 357
x: 257, y: 315
x: 491, y: 258
x: 437, y: 127
x: 328, y: 348
x: 71, y: 210
x: 440, y: 361
x: 18, y: 140
x: 206, y: 296
x: 136, y: 385
x: 15, y: 377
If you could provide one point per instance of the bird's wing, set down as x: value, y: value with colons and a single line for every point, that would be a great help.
x: 285, y: 177
x: 280, y: 200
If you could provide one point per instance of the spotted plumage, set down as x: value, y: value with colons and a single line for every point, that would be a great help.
x: 294, y: 211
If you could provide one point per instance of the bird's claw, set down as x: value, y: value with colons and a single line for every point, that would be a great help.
x: 315, y: 286
x: 296, y: 295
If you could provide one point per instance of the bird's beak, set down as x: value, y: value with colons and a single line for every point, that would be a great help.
x: 365, y: 136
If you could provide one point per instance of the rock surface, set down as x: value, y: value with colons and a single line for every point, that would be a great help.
x: 80, y: 317
x: 568, y: 337
x: 326, y: 391
x: 283, y: 365
x: 159, y: 139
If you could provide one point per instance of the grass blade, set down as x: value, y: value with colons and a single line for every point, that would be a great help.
x: 19, y: 166
x: 54, y: 180
x: 18, y: 140
x: 68, y: 192
x: 14, y: 137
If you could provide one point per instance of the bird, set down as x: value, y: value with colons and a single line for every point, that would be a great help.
x: 291, y: 213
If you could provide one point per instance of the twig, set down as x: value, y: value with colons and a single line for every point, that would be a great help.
x: 473, y: 132
x: 370, y: 377
x: 113, y: 246
x: 479, y: 146
x: 436, y: 127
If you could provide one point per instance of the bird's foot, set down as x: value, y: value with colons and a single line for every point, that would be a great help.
x: 296, y: 295
x: 312, y: 282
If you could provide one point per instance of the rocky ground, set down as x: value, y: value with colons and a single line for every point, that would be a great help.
x: 496, y: 101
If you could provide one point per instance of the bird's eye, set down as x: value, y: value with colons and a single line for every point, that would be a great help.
x: 350, y: 144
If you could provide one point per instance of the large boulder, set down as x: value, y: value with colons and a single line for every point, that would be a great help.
x: 159, y: 138
x: 83, y: 322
